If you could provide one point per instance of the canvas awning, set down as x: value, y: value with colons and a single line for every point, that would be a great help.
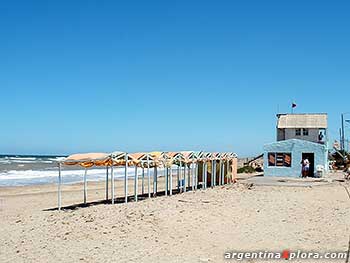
x: 87, y: 160
x: 188, y: 163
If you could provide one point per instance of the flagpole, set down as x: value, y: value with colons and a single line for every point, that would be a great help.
x: 293, y: 106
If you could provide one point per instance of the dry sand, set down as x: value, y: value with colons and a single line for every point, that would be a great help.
x: 192, y: 227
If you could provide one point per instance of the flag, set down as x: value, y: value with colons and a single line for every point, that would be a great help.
x: 294, y: 105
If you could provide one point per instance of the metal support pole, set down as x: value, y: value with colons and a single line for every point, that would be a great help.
x: 203, y: 175
x: 193, y: 177
x: 212, y: 173
x: 149, y: 178
x: 155, y: 180
x: 136, y: 184
x: 189, y: 175
x: 228, y: 170
x: 166, y: 180
x: 220, y: 170
x: 59, y: 187
x: 342, y: 133
x: 184, y: 181
x: 206, y: 175
x: 178, y: 178
x: 143, y: 180
x: 196, y: 170
x: 223, y: 173
x: 107, y: 183
x: 171, y: 180
x: 85, y: 185
x: 126, y: 178
x: 112, y: 183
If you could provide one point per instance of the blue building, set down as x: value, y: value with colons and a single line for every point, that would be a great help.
x: 283, y: 158
x: 299, y: 137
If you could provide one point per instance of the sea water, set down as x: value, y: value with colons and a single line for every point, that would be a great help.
x: 19, y: 170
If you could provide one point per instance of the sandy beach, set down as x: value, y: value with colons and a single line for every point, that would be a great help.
x: 191, y: 227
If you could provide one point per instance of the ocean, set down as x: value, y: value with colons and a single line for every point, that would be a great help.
x: 19, y: 170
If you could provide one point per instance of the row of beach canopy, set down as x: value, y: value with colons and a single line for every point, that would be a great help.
x: 182, y: 171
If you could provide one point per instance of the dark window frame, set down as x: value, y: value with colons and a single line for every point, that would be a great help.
x: 305, y: 132
x: 298, y: 132
x: 279, y: 159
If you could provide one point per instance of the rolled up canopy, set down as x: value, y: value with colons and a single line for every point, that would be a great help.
x: 141, y: 159
x: 88, y: 160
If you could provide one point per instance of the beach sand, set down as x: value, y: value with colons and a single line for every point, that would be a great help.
x: 191, y: 227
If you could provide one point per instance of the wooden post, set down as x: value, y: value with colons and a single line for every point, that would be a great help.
x: 59, y: 187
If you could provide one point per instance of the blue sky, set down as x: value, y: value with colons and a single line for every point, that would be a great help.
x: 78, y: 76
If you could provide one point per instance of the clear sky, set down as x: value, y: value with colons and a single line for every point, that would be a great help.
x: 81, y: 76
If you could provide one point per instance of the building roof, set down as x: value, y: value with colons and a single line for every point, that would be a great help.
x: 289, y: 144
x: 313, y: 120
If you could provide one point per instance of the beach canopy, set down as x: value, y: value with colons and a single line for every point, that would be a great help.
x: 142, y: 159
x: 88, y: 160
x: 193, y: 168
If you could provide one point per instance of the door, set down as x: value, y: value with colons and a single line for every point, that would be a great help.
x: 311, y: 158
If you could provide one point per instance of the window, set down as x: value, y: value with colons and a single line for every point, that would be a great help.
x: 287, y: 160
x: 280, y: 159
x: 297, y: 132
x: 306, y: 132
x: 272, y: 159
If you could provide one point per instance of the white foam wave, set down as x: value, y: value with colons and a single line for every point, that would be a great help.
x: 92, y: 173
x: 32, y: 174
x: 57, y: 159
x: 50, y: 175
x: 27, y: 160
x: 22, y: 158
x: 23, y: 161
